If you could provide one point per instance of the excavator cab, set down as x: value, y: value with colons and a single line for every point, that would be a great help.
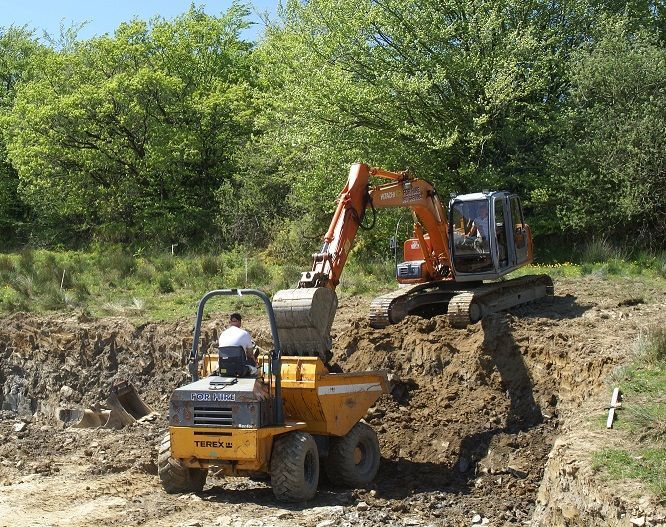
x: 488, y: 235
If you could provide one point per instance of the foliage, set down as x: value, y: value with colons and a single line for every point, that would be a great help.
x: 643, y: 415
x: 462, y: 93
x: 610, y: 163
x: 18, y: 47
x: 128, y: 137
x: 648, y: 465
x: 177, y: 131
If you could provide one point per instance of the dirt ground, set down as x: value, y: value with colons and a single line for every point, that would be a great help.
x: 465, y: 433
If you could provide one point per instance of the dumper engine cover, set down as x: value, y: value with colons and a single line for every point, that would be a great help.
x: 221, y: 402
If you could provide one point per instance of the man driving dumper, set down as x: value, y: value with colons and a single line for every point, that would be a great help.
x: 236, y: 339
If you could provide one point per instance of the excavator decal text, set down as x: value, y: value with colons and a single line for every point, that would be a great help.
x: 411, y: 194
x: 387, y: 195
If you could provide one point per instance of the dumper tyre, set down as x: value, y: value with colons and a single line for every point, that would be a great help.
x: 353, y: 459
x: 294, y: 467
x: 175, y: 477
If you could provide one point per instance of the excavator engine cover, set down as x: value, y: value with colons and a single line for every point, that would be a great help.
x: 304, y: 318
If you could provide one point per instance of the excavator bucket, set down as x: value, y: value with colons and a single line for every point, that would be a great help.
x: 126, y: 406
x: 88, y: 418
x: 123, y: 407
x: 304, y: 318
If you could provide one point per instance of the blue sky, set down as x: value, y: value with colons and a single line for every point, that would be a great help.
x: 104, y: 16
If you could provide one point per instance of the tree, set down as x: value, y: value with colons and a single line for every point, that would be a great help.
x: 128, y: 137
x: 462, y: 92
x: 610, y: 171
x: 17, y: 48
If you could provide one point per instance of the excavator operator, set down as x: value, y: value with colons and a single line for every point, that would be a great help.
x: 480, y: 226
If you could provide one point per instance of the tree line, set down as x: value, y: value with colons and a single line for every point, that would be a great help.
x: 179, y: 131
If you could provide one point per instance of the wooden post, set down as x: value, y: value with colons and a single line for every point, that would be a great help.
x: 613, y: 406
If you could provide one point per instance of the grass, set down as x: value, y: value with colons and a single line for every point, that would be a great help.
x: 113, y: 281
x: 647, y: 465
x: 642, y: 418
x: 155, y: 287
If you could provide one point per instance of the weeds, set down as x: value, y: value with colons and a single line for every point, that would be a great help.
x: 648, y: 465
x: 40, y: 280
x: 643, y: 416
x: 599, y: 251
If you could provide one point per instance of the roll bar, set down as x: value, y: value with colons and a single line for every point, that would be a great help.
x: 276, y: 355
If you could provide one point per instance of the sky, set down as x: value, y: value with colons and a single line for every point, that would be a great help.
x: 104, y: 16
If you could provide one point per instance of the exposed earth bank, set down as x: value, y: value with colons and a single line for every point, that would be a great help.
x: 467, y: 433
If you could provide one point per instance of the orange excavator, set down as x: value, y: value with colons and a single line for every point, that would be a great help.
x: 452, y: 263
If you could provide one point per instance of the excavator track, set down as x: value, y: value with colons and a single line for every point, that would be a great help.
x: 464, y: 303
x: 384, y: 309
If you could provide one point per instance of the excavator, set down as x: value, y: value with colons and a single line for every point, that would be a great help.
x: 454, y: 263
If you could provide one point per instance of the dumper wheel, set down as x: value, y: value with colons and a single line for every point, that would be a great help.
x: 353, y: 459
x: 175, y: 476
x: 294, y: 467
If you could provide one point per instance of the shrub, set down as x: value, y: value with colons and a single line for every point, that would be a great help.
x: 598, y: 251
x: 164, y: 284
x: 211, y: 265
x: 257, y: 272
x: 27, y: 259
x: 120, y: 261
x: 6, y: 264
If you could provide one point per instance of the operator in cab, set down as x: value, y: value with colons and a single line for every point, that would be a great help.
x: 480, y: 227
x: 235, y: 336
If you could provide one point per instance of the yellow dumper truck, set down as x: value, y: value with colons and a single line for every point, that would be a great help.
x: 284, y: 422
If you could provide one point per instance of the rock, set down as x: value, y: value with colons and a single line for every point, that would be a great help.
x: 638, y: 522
x: 192, y: 523
x: 20, y: 427
x: 66, y: 391
x: 463, y: 464
x: 335, y: 510
x: 485, y: 521
x: 326, y: 523
x: 223, y: 521
x: 518, y: 472
x: 362, y: 506
x: 476, y: 519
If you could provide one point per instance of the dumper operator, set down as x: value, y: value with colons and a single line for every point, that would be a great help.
x: 235, y: 340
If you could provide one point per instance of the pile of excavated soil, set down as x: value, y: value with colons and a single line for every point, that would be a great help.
x: 466, y: 431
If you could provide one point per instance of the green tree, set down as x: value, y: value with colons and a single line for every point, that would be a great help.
x: 127, y: 137
x: 18, y: 46
x: 468, y: 94
x: 463, y: 93
x: 610, y: 168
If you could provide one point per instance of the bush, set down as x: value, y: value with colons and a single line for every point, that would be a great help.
x: 164, y: 284
x: 655, y: 346
x: 6, y: 264
x: 27, y: 259
x: 599, y: 251
x: 118, y: 260
x: 211, y: 266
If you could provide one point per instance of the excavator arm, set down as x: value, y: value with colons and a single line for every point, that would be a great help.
x: 403, y: 191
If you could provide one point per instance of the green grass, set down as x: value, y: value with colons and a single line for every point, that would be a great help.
x: 113, y: 281
x: 645, y: 464
x: 156, y: 287
x: 642, y: 419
